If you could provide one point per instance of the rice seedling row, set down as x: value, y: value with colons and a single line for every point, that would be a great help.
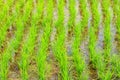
x: 115, y: 60
x: 28, y: 46
x: 45, y: 39
x: 94, y: 29
x: 107, y: 41
x: 59, y: 44
x: 93, y: 35
x: 74, y: 29
x: 107, y: 29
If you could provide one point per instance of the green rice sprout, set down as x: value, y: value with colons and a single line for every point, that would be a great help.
x: 116, y: 9
x: 28, y: 47
x: 93, y: 28
x: 72, y: 17
x: 5, y: 20
x: 100, y: 64
x: 43, y: 47
x: 77, y: 55
x: 115, y: 62
x: 84, y: 14
x: 59, y: 44
x: 107, y: 30
x: 107, y: 38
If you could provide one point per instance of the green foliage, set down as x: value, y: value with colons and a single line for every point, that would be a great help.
x: 38, y: 14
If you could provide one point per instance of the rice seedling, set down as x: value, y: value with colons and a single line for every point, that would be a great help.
x: 59, y: 44
x: 107, y: 30
x: 76, y: 31
x: 84, y: 14
x: 40, y: 9
x: 118, y: 25
x: 28, y: 46
x: 118, y: 16
x: 107, y: 39
x: 72, y: 16
x: 95, y: 14
x: 94, y: 28
x: 92, y: 44
x: 6, y: 5
x: 72, y: 12
x: 115, y: 6
x: 78, y: 59
x: 116, y: 9
x: 100, y: 65
x: 115, y: 61
x: 6, y: 20
x: 44, y: 43
x: 96, y: 58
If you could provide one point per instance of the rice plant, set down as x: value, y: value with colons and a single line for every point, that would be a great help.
x: 93, y: 28
x: 59, y: 44
x: 78, y: 59
x: 107, y: 74
x: 28, y: 46
x: 116, y: 9
x: 118, y: 19
x: 107, y: 30
x: 84, y: 14
x: 115, y: 62
x: 6, y: 19
x: 44, y: 41
x: 72, y: 17
x: 40, y: 63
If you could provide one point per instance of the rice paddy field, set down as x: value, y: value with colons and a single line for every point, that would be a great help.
x: 59, y: 39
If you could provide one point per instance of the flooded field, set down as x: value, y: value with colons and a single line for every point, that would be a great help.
x: 59, y: 39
